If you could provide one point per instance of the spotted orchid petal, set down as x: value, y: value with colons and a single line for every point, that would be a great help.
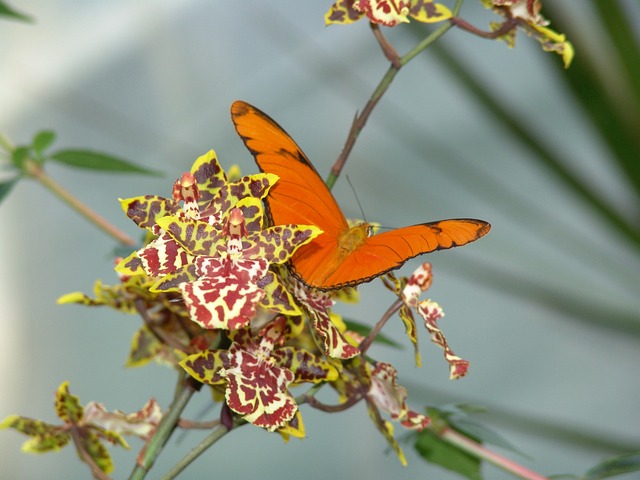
x: 386, y: 12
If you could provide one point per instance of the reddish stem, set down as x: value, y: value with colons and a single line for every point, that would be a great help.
x: 341, y: 407
x: 484, y: 453
x: 366, y: 343
x: 507, y: 26
x: 389, y: 50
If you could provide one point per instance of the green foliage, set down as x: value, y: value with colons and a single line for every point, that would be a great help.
x: 435, y: 449
x: 6, y: 187
x: 615, y: 466
x: 7, y: 11
x: 458, y: 417
x: 28, y: 160
x: 92, y: 160
x: 41, y: 141
x: 19, y: 156
x: 435, y: 446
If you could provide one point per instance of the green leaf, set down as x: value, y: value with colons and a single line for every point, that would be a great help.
x: 629, y: 462
x: 43, y: 140
x: 98, y: 161
x: 7, y: 11
x: 5, y: 187
x: 19, y: 155
x: 364, y: 330
x: 436, y: 450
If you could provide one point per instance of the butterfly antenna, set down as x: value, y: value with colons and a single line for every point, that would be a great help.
x: 355, y: 194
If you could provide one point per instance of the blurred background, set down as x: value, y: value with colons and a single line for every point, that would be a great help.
x: 546, y: 307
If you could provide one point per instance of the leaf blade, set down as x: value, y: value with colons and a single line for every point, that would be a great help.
x: 6, y: 187
x: 92, y: 160
x: 43, y: 140
x: 440, y: 452
x: 7, y: 11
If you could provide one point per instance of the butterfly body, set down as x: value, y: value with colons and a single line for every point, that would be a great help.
x: 342, y: 255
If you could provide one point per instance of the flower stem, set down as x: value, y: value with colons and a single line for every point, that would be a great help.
x: 360, y: 119
x: 35, y: 171
x: 195, y: 452
x: 507, y: 26
x: 477, y: 450
x: 185, y: 390
x: 219, y: 432
x: 366, y: 343
x: 6, y: 144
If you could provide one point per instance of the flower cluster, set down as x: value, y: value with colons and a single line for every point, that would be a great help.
x: 518, y: 14
x: 218, y: 301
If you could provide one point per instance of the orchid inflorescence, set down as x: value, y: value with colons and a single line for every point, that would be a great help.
x: 217, y: 301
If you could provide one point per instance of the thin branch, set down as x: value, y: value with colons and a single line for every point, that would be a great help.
x: 35, y: 171
x: 389, y: 50
x: 209, y: 440
x: 190, y: 424
x: 360, y: 120
x: 366, y: 343
x: 165, y: 429
x: 478, y: 450
x: 507, y: 26
x: 341, y: 407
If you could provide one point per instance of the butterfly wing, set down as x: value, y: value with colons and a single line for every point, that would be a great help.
x: 389, y: 250
x: 300, y: 196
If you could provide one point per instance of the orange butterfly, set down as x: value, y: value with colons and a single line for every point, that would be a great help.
x: 342, y: 256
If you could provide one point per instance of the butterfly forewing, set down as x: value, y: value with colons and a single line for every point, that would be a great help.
x: 300, y: 196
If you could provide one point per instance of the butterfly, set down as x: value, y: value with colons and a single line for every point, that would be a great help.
x: 341, y: 256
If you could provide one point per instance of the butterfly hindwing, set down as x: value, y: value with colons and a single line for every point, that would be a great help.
x: 389, y: 250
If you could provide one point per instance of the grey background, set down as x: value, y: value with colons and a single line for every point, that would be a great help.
x: 153, y: 81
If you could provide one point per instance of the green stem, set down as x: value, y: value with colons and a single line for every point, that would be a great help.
x: 6, y: 144
x: 35, y: 171
x: 426, y: 42
x: 360, y: 120
x: 168, y: 423
x: 219, y: 432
